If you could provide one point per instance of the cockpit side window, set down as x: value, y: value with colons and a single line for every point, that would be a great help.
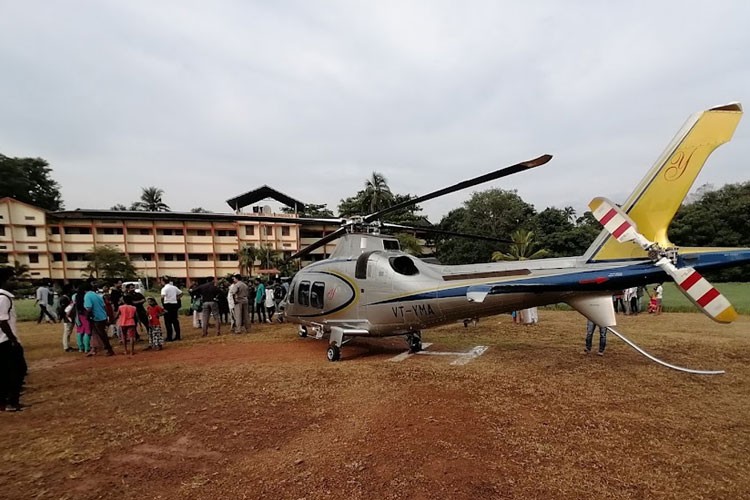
x: 403, y: 265
x: 291, y: 293
x: 317, y: 292
x: 391, y: 245
x: 304, y: 293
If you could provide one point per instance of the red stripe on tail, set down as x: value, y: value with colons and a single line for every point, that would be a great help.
x: 690, y: 281
x: 708, y: 297
x: 608, y: 216
x: 621, y: 229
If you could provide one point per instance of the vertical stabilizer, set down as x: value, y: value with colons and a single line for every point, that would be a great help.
x: 655, y: 200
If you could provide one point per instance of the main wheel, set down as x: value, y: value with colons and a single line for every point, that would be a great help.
x: 334, y: 353
x: 302, y: 332
x: 415, y: 343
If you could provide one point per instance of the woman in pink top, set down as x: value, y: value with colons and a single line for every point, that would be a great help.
x: 126, y: 321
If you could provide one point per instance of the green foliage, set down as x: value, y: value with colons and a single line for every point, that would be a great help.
x: 19, y: 284
x: 109, y: 263
x: 720, y: 218
x: 29, y: 180
x: 151, y: 201
x: 247, y: 255
x: 377, y: 196
x: 199, y: 210
x: 118, y: 208
x: 310, y: 210
x: 409, y: 243
x: 522, y: 248
x: 558, y: 231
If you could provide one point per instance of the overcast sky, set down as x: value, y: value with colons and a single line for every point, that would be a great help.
x: 211, y: 99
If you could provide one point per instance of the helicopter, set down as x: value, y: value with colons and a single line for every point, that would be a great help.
x: 368, y: 287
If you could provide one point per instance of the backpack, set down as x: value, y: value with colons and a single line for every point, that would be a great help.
x: 278, y: 292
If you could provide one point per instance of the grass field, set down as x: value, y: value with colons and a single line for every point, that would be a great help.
x: 265, y: 415
x: 737, y: 293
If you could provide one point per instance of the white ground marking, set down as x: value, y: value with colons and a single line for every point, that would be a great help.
x: 463, y: 357
x: 406, y: 354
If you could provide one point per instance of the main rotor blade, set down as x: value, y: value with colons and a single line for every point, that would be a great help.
x: 700, y: 292
x: 497, y: 174
x: 322, y: 241
x: 334, y: 221
x: 446, y: 233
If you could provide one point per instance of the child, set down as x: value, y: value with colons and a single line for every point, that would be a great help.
x: 126, y: 321
x: 155, y: 340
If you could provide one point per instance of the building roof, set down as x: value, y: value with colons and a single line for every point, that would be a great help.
x: 262, y: 193
x: 179, y: 216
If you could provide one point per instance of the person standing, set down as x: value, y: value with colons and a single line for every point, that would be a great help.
x: 260, y: 300
x: 209, y: 293
x: 171, y: 297
x: 43, y: 300
x: 62, y: 314
x: 659, y: 294
x: 270, y: 304
x: 96, y: 310
x: 139, y: 301
x: 590, y: 327
x: 154, y: 311
x: 126, y: 318
x: 12, y: 363
x: 239, y: 294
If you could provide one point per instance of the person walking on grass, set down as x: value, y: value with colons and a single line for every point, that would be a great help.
x: 43, y: 297
x: 126, y: 320
x: 590, y: 327
x: 12, y: 362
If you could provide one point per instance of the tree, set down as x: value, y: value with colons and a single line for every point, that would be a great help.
x: 495, y: 212
x: 109, y: 263
x: 20, y: 283
x: 29, y: 180
x: 522, y: 248
x: 558, y: 231
x: 377, y: 193
x: 247, y: 255
x: 119, y: 207
x: 199, y: 210
x: 409, y: 243
x: 311, y: 210
x: 268, y: 257
x: 151, y: 201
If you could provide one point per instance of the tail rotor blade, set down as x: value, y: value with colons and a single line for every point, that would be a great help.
x: 617, y: 222
x: 700, y: 292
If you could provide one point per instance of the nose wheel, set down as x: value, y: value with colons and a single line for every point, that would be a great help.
x: 415, y: 341
x: 334, y: 353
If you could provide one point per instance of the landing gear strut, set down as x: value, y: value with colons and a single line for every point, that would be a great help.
x: 415, y: 341
x: 302, y: 332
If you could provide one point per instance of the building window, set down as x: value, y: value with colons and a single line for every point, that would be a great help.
x: 142, y: 232
x: 309, y: 233
x: 109, y: 230
x: 56, y: 257
x: 147, y: 257
x: 284, y: 230
x: 197, y: 232
x: 249, y: 230
x: 76, y: 257
x: 3, y: 258
x: 170, y: 232
x: 226, y: 232
x: 29, y: 217
x: 171, y: 257
x: 2, y: 230
x: 30, y: 231
x: 267, y: 230
x: 3, y: 247
x: 203, y: 257
x: 54, y: 230
x: 33, y: 258
x: 33, y: 247
x: 77, y: 230
x: 228, y: 256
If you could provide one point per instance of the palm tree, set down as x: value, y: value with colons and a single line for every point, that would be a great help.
x: 377, y: 193
x: 151, y: 201
x: 522, y: 248
x: 248, y: 254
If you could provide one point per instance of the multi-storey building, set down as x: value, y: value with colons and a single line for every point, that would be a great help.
x: 56, y: 245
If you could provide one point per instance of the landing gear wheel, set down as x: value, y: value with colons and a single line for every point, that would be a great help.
x: 334, y: 353
x: 415, y: 342
x: 302, y: 332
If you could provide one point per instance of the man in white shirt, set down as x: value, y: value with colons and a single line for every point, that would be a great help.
x: 171, y: 298
x: 659, y: 292
x: 42, y: 300
x: 12, y: 364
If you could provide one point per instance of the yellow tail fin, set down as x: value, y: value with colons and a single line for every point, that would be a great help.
x: 657, y: 197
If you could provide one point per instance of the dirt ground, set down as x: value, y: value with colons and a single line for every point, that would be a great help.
x: 264, y: 415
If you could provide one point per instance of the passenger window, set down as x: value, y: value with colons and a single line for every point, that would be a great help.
x: 403, y: 265
x: 291, y: 293
x: 316, y: 294
x: 304, y: 293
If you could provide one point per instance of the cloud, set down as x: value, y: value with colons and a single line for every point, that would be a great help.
x: 210, y: 100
